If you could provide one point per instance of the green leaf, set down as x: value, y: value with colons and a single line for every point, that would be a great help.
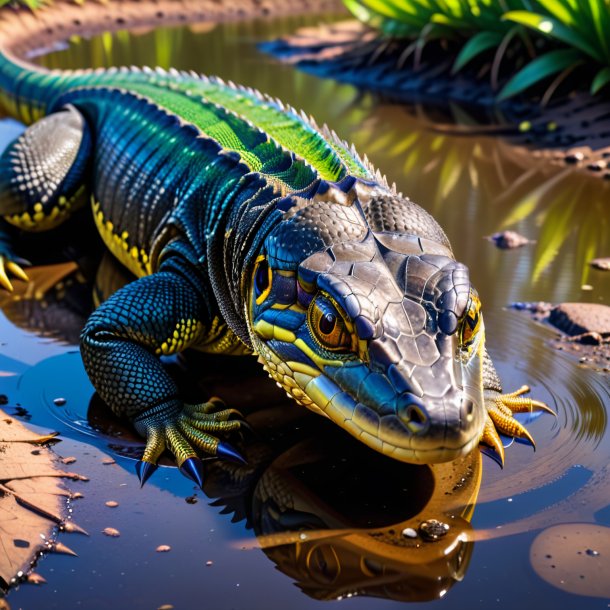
x: 559, y: 10
x: 551, y: 28
x: 475, y: 46
x: 602, y: 78
x: 600, y: 12
x: 538, y: 69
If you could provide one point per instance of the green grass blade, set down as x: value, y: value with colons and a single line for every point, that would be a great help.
x: 475, y: 46
x: 538, y: 69
x: 602, y: 78
x: 600, y: 12
x: 560, y: 10
x: 552, y: 28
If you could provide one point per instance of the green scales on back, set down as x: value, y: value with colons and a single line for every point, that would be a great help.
x: 285, y: 147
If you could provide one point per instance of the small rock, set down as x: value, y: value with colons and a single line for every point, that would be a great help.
x: 112, y: 504
x: 59, y: 402
x: 508, y: 240
x: 163, y: 548
x: 586, y: 287
x: 432, y: 529
x: 409, y: 532
x: 108, y: 460
x: 68, y: 460
x: 581, y: 318
x: 209, y: 563
x: 603, y: 264
x: 3, y: 399
x: 574, y: 157
x: 166, y: 607
x: 111, y: 531
x: 191, y: 500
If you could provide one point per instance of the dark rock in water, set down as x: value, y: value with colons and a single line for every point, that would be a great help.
x: 508, y: 240
x: 603, y: 264
x: 582, y: 318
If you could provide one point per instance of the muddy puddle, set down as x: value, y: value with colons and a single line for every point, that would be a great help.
x: 314, y: 516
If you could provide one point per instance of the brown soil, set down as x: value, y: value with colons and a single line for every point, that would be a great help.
x: 21, y: 30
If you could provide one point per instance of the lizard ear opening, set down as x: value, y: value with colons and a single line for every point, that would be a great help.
x: 262, y: 279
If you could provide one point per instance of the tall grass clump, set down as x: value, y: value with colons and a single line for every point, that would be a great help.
x: 553, y: 37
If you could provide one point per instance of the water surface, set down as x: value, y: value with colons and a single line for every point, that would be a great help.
x: 305, y: 477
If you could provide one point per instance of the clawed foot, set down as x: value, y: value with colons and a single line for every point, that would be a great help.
x: 183, y: 430
x: 11, y: 265
x: 500, y: 420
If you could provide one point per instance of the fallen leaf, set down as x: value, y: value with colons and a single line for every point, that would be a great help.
x: 33, y: 500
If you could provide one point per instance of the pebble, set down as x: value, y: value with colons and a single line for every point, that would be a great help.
x: 603, y: 264
x: 586, y: 287
x: 409, y: 532
x: 163, y: 548
x: 432, y: 529
x: 111, y: 531
x: 166, y: 607
x: 68, y: 460
x: 112, y: 504
x: 59, y: 402
x: 108, y: 460
x: 209, y: 563
x: 508, y: 240
x: 191, y: 500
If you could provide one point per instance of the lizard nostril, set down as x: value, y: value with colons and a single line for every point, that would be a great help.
x: 468, y: 409
x: 416, y: 418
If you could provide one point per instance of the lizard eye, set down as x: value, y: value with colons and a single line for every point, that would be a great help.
x: 471, y: 320
x: 328, y: 326
x: 262, y: 278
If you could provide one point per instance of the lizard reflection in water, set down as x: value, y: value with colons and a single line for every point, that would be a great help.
x: 252, y: 231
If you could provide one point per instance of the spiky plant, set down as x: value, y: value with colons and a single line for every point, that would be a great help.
x: 554, y: 37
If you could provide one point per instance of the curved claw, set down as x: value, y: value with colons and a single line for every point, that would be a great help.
x: 193, y: 468
x: 144, y: 471
x: 10, y: 266
x: 228, y: 452
x: 491, y: 438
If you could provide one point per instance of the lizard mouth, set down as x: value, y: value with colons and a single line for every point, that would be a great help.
x: 407, y: 434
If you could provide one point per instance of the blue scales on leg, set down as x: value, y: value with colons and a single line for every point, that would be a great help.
x: 158, y: 314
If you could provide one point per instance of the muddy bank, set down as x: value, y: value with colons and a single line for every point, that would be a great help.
x: 584, y: 328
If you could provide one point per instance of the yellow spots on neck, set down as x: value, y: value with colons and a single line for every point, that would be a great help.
x: 134, y: 258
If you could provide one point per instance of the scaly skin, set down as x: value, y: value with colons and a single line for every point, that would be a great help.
x: 251, y: 230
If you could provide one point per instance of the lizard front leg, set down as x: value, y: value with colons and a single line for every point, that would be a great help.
x: 121, y: 343
x: 500, y: 410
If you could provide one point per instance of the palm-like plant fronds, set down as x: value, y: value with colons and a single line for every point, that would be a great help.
x: 553, y: 36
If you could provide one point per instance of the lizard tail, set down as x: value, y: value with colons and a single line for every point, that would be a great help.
x: 27, y: 90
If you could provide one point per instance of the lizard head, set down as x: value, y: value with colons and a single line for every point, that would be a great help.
x: 380, y: 332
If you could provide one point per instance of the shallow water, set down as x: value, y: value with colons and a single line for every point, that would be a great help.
x: 299, y: 482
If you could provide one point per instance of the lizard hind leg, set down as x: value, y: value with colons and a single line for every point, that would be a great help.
x: 42, y: 180
x: 43, y: 171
